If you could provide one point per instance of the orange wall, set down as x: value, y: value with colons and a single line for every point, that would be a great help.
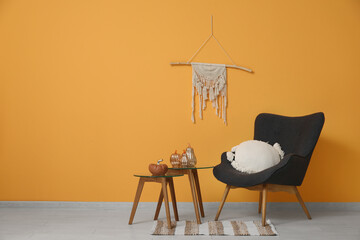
x: 87, y: 95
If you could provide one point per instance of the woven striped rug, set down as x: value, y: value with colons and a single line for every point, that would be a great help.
x: 221, y: 228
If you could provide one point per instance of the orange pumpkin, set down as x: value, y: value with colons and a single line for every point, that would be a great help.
x: 158, y: 169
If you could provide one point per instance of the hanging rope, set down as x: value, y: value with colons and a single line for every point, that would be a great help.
x: 211, y: 36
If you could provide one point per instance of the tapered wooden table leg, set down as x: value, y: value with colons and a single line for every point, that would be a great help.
x: 193, y: 192
x: 173, y: 198
x: 197, y: 185
x: 137, y: 198
x: 166, y: 198
x: 264, y: 195
x: 158, y: 207
x: 164, y: 180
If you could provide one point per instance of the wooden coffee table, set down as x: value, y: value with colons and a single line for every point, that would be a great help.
x: 164, y: 180
x: 194, y: 186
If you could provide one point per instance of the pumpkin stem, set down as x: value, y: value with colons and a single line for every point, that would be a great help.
x: 160, y: 160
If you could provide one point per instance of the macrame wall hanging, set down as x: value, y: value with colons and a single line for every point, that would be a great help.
x: 209, y: 81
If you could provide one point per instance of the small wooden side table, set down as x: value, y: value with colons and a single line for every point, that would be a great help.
x: 164, y: 180
x: 194, y: 186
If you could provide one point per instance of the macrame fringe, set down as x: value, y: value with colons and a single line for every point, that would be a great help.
x: 209, y: 82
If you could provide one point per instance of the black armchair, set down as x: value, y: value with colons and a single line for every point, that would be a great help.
x: 297, y: 137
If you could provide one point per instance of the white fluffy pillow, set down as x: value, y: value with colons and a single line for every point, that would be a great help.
x: 254, y: 156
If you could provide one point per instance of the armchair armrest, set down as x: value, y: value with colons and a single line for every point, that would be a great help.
x: 289, y: 171
x: 224, y: 158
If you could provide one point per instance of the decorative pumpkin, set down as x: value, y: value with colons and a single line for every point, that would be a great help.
x: 190, y: 154
x: 158, y: 169
x: 184, y: 160
x: 175, y: 160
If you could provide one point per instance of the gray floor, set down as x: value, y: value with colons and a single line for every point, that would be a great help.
x: 90, y: 221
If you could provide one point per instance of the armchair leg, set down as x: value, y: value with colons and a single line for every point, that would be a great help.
x: 260, y: 201
x: 226, y: 192
x: 301, y: 202
x: 264, y: 193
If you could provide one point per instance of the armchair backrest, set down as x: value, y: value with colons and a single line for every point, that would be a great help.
x: 297, y: 135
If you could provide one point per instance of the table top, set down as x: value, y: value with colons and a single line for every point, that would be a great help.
x: 196, y: 167
x: 148, y: 175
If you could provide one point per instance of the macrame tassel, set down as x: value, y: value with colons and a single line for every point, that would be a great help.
x: 211, y: 94
x: 220, y: 109
x: 204, y: 97
x: 217, y: 89
x: 200, y: 108
x: 217, y: 106
x: 224, y: 109
x: 193, y: 105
